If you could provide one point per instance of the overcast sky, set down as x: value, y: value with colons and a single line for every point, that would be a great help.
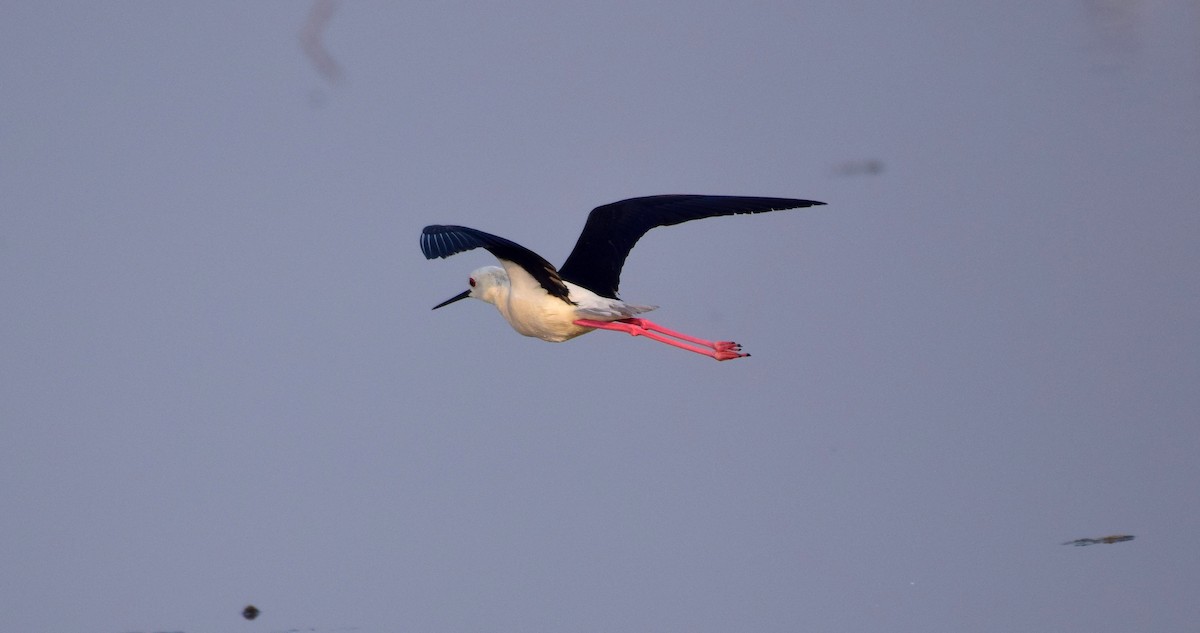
x: 221, y: 382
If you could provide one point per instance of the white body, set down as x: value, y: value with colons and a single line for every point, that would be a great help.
x: 532, y: 311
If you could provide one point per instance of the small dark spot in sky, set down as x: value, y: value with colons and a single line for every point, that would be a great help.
x: 250, y: 612
x: 1107, y: 540
x: 869, y: 167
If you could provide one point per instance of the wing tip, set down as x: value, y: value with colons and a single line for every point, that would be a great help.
x: 432, y: 246
x: 801, y: 204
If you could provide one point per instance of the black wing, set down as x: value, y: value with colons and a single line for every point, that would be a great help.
x: 613, y: 229
x: 443, y: 241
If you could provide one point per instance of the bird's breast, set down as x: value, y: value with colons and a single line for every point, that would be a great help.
x: 545, y: 317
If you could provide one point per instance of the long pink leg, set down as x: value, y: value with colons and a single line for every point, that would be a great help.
x: 720, y: 350
x: 654, y: 327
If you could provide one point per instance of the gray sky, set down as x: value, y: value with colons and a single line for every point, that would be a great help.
x: 221, y: 382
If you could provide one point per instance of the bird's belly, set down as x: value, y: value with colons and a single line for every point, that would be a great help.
x: 546, y: 321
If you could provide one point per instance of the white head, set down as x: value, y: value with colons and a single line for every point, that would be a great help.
x: 489, y: 284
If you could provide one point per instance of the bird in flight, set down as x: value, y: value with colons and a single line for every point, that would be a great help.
x: 559, y: 304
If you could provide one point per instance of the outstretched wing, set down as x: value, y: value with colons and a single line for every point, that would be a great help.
x: 443, y: 241
x: 613, y: 229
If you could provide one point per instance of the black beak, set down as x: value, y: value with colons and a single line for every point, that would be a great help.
x: 462, y: 295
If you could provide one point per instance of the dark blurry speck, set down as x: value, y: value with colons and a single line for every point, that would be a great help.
x: 869, y: 167
x: 1107, y: 540
x: 250, y: 612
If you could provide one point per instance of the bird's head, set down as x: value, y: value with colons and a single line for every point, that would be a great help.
x: 486, y: 284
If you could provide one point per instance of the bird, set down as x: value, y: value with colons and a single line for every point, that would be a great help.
x: 559, y: 304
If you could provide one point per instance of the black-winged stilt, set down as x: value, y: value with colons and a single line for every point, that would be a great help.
x: 559, y: 304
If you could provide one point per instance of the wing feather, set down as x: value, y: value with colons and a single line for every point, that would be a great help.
x: 445, y: 240
x: 613, y: 229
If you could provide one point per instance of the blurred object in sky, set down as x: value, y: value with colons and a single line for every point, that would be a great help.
x: 1114, y: 26
x: 250, y: 612
x: 868, y: 167
x: 1108, y: 540
x: 310, y: 40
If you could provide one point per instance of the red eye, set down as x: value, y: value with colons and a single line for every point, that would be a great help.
x: 471, y: 280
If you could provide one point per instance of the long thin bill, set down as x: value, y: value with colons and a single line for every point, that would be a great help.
x: 462, y: 295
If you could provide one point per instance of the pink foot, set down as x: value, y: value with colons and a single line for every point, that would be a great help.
x: 726, y: 350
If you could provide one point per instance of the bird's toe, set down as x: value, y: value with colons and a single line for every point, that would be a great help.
x: 728, y: 350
